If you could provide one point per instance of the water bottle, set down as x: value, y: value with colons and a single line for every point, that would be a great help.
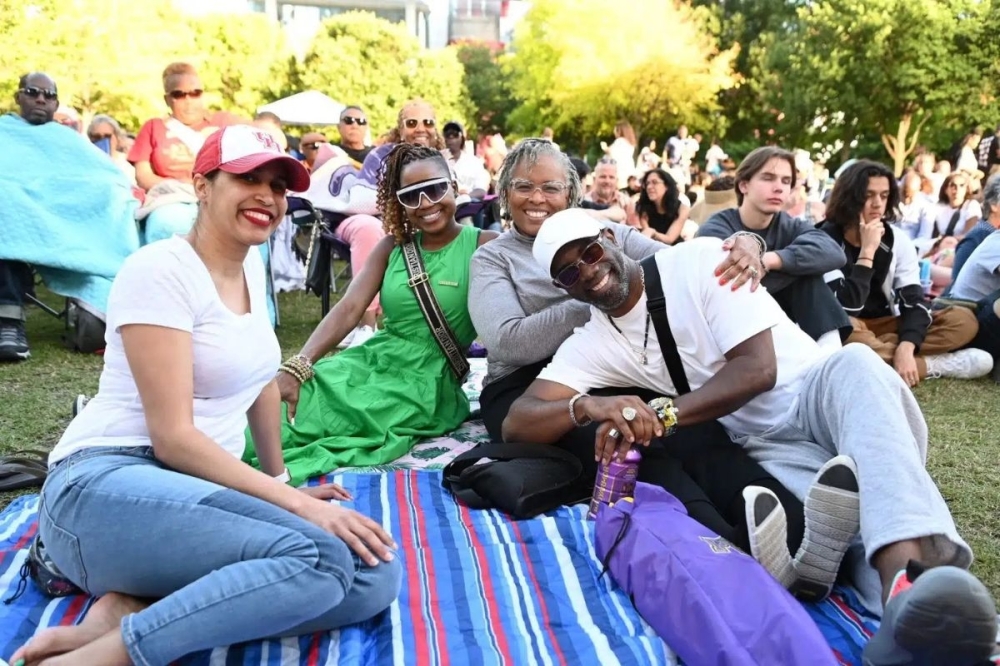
x: 615, y: 480
x: 925, y: 275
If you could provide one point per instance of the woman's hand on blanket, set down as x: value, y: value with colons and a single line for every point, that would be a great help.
x: 361, y: 534
x: 289, y: 387
x: 608, y: 413
x: 327, y: 491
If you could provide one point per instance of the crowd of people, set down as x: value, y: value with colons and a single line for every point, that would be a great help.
x: 789, y: 426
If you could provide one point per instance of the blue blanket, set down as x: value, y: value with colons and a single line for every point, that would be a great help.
x: 67, y: 209
x: 478, y: 589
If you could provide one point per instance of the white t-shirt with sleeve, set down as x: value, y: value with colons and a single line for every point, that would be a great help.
x: 235, y: 356
x: 707, y: 321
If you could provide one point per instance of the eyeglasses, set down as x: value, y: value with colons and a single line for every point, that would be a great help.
x: 181, y: 94
x: 34, y: 92
x: 525, y: 188
x: 570, y: 275
x: 351, y: 120
x: 411, y: 123
x: 432, y: 190
x: 314, y: 145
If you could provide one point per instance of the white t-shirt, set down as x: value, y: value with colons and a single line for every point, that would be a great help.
x: 980, y: 276
x: 707, y: 320
x: 167, y: 284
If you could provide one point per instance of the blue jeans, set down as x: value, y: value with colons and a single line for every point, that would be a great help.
x: 16, y: 280
x: 226, y: 567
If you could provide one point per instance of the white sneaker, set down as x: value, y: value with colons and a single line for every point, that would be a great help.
x: 962, y: 364
x: 363, y: 334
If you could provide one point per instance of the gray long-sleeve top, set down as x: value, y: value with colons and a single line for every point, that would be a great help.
x: 803, y: 248
x: 520, y: 316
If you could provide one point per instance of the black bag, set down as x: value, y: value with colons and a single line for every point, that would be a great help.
x: 522, y: 480
x: 84, y: 330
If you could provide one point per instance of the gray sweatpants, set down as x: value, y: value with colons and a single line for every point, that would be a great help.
x: 854, y: 404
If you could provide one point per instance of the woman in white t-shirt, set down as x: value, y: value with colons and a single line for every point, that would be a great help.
x: 147, y: 497
x: 956, y: 213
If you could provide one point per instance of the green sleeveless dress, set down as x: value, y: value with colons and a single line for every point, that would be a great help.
x: 369, y: 405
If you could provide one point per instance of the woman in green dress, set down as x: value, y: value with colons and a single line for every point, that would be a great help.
x: 370, y: 404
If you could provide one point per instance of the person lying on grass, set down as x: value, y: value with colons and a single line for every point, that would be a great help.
x: 147, y: 504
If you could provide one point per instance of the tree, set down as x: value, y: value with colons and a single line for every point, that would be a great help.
x: 751, y: 27
x: 360, y: 59
x: 850, y: 66
x: 489, y: 90
x: 663, y: 69
x: 241, y: 60
x: 79, y: 42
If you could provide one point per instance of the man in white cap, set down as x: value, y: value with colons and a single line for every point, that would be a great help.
x: 790, y: 404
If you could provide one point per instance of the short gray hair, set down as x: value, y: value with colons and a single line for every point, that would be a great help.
x: 528, y: 151
x: 107, y: 120
x: 991, y: 194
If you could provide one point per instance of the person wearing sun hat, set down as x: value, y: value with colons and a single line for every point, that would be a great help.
x: 190, y: 363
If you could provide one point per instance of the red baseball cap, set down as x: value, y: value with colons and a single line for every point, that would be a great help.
x: 240, y: 149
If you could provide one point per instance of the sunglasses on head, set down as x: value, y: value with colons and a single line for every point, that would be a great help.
x: 411, y: 123
x: 570, y: 275
x: 433, y: 190
x: 313, y: 146
x: 181, y: 94
x: 34, y: 91
x: 351, y: 120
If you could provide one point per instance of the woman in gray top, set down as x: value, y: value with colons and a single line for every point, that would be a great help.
x: 520, y: 315
x: 522, y: 318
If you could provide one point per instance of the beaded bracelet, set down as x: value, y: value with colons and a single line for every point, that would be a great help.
x: 300, y: 367
x: 572, y: 413
x: 761, y: 243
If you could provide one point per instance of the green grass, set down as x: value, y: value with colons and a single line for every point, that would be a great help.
x: 36, y: 398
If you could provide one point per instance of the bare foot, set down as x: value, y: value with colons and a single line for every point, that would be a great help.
x: 104, y: 616
x: 107, y: 650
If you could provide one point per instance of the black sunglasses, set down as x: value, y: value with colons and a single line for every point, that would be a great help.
x: 570, y: 275
x: 94, y: 138
x: 181, y: 94
x: 313, y: 146
x: 411, y: 123
x: 34, y: 92
x: 351, y: 120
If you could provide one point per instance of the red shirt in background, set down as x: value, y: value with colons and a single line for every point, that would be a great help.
x: 168, y: 155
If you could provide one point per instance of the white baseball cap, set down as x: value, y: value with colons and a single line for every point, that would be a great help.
x: 240, y: 149
x: 561, y: 229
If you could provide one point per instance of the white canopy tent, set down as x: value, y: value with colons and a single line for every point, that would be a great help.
x: 306, y: 108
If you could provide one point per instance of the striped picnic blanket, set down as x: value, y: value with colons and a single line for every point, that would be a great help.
x: 478, y: 589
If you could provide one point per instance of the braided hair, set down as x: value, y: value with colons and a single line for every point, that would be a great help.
x: 394, y: 219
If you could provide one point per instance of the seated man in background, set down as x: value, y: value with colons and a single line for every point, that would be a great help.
x: 472, y: 177
x: 37, y: 100
x: 792, y: 405
x: 797, y: 255
x: 73, y: 224
x: 618, y: 206
x: 353, y: 128
x: 880, y: 288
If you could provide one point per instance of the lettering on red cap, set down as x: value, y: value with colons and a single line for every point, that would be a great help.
x: 267, y: 140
